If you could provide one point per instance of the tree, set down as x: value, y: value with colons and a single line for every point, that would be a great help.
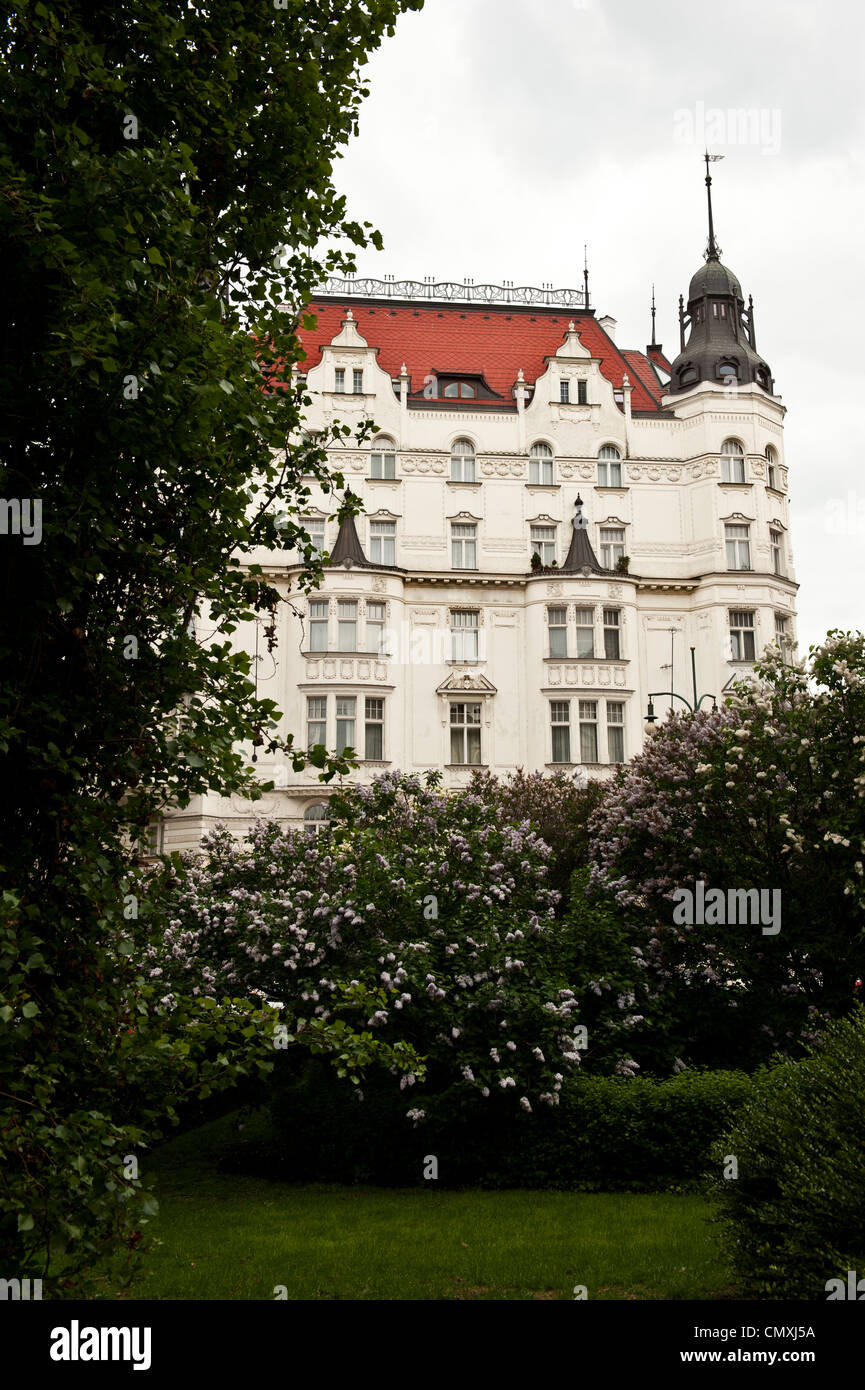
x: 166, y: 181
x: 768, y: 795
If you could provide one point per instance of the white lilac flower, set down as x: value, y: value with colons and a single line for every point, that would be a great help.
x: 525, y: 1104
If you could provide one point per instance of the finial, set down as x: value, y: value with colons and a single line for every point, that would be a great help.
x: 402, y: 370
x: 626, y: 385
x: 713, y: 250
x: 653, y: 315
x: 585, y: 277
x: 520, y: 376
x: 349, y: 315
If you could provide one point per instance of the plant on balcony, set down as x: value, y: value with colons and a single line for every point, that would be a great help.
x: 622, y: 564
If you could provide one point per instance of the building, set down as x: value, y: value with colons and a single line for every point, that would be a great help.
x: 554, y: 529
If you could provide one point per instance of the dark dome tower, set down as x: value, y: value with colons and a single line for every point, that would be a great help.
x: 721, y: 347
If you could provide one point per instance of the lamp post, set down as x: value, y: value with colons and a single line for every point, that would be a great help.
x: 656, y: 694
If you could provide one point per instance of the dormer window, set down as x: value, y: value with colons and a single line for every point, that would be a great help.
x: 463, y: 390
x: 728, y: 373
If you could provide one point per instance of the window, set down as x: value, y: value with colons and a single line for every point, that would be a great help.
x: 464, y: 636
x: 462, y: 461
x: 565, y: 392
x: 346, y: 625
x: 560, y: 719
x: 588, y: 731
x: 541, y: 465
x: 314, y: 527
x: 612, y: 645
x: 464, y: 546
x: 615, y: 731
x: 382, y: 542
x: 345, y: 712
x: 741, y: 635
x: 612, y: 546
x: 738, y: 542
x: 315, y: 818
x: 466, y: 734
x: 582, y: 393
x: 462, y: 389
x: 585, y: 631
x: 318, y: 625
x: 373, y: 747
x: 544, y: 543
x: 383, y: 461
x: 609, y: 467
x: 782, y: 633
x: 771, y: 469
x: 339, y: 379
x: 316, y: 720
x: 557, y: 620
x: 357, y: 381
x: 732, y: 462
x: 719, y: 311
x: 728, y: 372
x: 375, y: 615
x: 775, y: 545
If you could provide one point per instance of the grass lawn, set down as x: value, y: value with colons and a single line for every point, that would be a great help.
x: 228, y: 1237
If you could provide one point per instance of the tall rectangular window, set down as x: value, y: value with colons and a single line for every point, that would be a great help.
x: 375, y: 616
x: 612, y: 546
x: 464, y: 546
x: 585, y: 631
x: 609, y: 473
x: 565, y: 392
x: 560, y: 720
x: 346, y: 625
x: 612, y: 644
x: 382, y: 542
x: 339, y: 379
x: 742, y: 645
x: 582, y: 393
x: 775, y: 545
x: 557, y: 619
x: 357, y: 381
x: 543, y: 543
x: 318, y: 625
x: 780, y: 626
x: 771, y: 480
x: 738, y: 543
x: 588, y: 731
x: 615, y: 731
x: 345, y: 717
x: 316, y: 720
x: 466, y: 734
x: 373, y: 749
x: 314, y: 528
x: 462, y: 461
x: 382, y: 464
x: 464, y: 636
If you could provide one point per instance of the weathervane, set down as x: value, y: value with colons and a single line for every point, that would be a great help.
x: 713, y: 250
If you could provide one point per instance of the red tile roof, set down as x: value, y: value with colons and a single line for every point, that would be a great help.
x: 640, y: 370
x: 495, y: 340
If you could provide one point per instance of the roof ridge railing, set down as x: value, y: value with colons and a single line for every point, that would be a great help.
x: 451, y: 291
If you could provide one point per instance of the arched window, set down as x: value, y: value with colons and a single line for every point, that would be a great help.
x: 541, y: 465
x: 315, y: 818
x: 728, y: 372
x: 462, y: 461
x: 609, y: 466
x: 383, y: 462
x: 771, y: 467
x: 732, y: 462
x: 688, y: 377
x: 462, y: 389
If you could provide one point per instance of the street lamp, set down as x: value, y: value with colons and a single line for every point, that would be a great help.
x: 656, y: 694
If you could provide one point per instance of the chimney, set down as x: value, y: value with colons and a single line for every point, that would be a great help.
x: 609, y: 326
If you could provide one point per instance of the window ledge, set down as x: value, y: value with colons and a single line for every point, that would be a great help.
x: 544, y: 487
x: 612, y: 487
x: 598, y: 660
x: 722, y: 483
x: 376, y: 655
x: 371, y: 479
x: 464, y: 767
x: 567, y: 765
x: 463, y: 482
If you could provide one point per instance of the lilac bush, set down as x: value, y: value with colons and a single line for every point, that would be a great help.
x: 429, y: 898
x: 768, y: 793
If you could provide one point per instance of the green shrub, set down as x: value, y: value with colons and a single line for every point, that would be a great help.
x: 608, y: 1133
x: 795, y: 1215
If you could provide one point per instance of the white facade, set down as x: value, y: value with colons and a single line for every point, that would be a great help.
x: 449, y: 651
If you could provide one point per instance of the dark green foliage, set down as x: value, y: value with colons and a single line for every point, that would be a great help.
x: 795, y: 1215
x: 608, y: 1133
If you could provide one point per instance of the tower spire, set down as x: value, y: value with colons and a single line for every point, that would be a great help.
x: 713, y: 250
x: 653, y: 315
x: 585, y: 277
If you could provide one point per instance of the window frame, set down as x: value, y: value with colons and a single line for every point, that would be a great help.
x: 559, y: 628
x: 740, y: 631
x: 731, y: 456
x: 462, y: 545
x: 465, y: 726
x: 373, y: 722
x: 382, y: 543
x: 737, y: 542
x: 613, y: 550
x: 560, y: 724
x: 463, y: 461
x: 541, y: 464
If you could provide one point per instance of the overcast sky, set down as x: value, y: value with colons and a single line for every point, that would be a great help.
x: 499, y: 137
